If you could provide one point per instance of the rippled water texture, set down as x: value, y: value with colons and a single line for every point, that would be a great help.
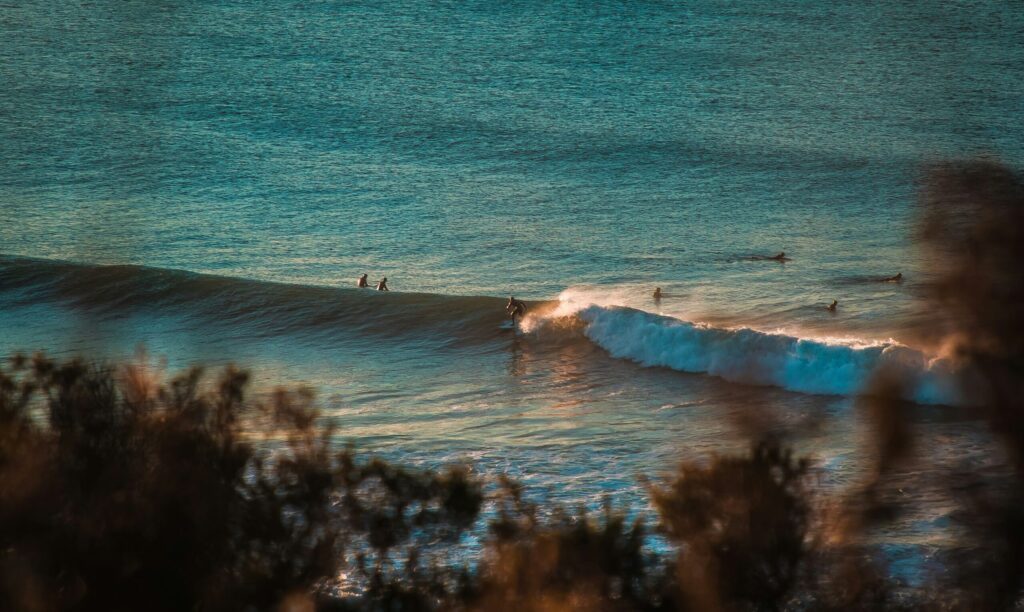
x: 574, y: 154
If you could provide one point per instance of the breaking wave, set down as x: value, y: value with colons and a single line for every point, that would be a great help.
x: 258, y: 308
x: 744, y: 355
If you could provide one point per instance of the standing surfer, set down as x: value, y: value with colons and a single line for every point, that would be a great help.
x: 515, y: 308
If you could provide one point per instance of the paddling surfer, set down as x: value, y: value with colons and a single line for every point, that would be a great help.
x: 895, y: 279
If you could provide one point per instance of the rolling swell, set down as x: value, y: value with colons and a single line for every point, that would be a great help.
x: 262, y: 309
x: 256, y: 307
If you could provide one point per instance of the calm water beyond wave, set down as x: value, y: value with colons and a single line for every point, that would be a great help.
x: 209, y: 179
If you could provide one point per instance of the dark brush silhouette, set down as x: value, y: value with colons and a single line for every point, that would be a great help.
x: 123, y: 491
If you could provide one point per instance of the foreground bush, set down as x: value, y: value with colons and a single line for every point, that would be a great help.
x: 123, y: 492
x: 120, y: 491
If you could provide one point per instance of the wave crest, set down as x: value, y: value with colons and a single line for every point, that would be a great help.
x: 750, y: 356
x: 258, y: 308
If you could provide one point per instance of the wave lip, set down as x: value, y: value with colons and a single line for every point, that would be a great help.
x: 754, y: 357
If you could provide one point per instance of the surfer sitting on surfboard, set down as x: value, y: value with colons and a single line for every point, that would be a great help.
x: 361, y: 283
x: 383, y: 284
x: 515, y: 308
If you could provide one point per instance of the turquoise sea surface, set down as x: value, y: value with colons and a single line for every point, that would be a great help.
x: 208, y: 178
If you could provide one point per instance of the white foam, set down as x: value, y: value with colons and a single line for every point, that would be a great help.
x: 823, y: 366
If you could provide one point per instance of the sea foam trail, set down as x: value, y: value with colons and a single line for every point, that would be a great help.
x: 750, y: 356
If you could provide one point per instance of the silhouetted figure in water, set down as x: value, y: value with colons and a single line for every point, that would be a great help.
x: 832, y: 307
x: 781, y: 256
x: 657, y: 294
x: 895, y: 279
x: 383, y: 284
x: 515, y: 308
x: 361, y: 283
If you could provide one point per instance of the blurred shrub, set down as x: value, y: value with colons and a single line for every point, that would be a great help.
x: 122, y: 491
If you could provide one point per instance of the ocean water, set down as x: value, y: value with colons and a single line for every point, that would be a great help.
x: 209, y: 179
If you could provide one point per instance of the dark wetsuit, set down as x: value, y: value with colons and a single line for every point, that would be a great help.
x: 515, y: 308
